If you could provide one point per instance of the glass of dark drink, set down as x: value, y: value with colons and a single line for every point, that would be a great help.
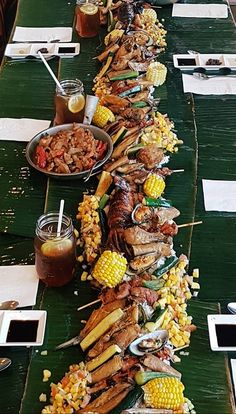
x: 69, y: 102
x: 55, y: 256
x: 87, y: 18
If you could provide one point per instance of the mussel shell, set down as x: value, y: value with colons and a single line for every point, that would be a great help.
x: 139, y: 208
x: 161, y: 335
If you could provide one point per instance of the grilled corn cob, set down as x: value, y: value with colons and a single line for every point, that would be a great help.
x: 102, y: 116
x: 149, y: 15
x: 110, y: 268
x: 156, y: 73
x: 154, y: 186
x: 166, y: 393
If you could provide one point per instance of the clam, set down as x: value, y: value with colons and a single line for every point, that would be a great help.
x: 152, y: 342
x: 141, y: 213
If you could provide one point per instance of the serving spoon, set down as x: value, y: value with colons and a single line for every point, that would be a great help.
x: 4, y: 363
x: 9, y: 305
x: 202, y: 75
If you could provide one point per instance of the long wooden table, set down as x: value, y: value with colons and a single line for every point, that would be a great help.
x: 207, y: 124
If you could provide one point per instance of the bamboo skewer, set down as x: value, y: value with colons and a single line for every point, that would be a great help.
x: 177, y: 171
x: 89, y: 304
x: 195, y: 223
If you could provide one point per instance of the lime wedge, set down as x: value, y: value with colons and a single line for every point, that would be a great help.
x: 76, y: 103
x: 56, y: 248
x: 89, y: 9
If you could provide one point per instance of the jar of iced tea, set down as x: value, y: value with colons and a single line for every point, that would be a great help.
x: 69, y: 102
x: 55, y: 256
x: 87, y: 18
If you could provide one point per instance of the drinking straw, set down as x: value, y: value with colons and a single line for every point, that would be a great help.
x: 51, y: 72
x: 60, y: 218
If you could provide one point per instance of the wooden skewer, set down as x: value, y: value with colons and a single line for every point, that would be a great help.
x: 89, y: 304
x: 189, y: 224
x: 180, y: 348
x: 177, y: 171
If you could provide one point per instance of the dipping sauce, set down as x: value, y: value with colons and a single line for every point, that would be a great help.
x: 22, y: 331
x: 186, y: 62
x: 55, y: 257
x: 226, y: 335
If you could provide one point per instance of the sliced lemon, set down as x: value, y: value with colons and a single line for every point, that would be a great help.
x: 76, y: 103
x: 89, y: 9
x: 56, y: 248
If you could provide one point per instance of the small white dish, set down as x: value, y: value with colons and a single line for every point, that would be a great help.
x: 22, y: 328
x: 191, y: 61
x: 29, y: 50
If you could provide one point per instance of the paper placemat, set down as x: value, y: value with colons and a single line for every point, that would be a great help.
x: 19, y: 283
x: 42, y: 34
x: 212, y: 11
x: 219, y: 195
x: 23, y: 129
x: 220, y: 85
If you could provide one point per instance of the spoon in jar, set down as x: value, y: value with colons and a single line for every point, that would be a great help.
x: 9, y: 305
x: 4, y: 363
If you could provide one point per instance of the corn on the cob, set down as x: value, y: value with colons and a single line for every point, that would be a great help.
x: 164, y: 393
x: 156, y: 73
x: 70, y: 393
x: 154, y: 186
x: 102, y: 116
x: 113, y: 36
x: 149, y: 15
x: 110, y: 268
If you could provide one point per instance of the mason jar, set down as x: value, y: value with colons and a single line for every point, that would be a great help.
x: 87, y: 18
x: 69, y: 102
x: 55, y: 255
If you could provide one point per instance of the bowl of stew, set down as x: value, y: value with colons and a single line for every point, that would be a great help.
x: 69, y: 151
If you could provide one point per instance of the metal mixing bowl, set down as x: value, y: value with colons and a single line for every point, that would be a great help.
x: 98, y: 134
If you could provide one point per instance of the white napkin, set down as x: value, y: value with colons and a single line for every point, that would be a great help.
x: 23, y: 129
x: 19, y: 283
x: 220, y: 85
x: 219, y: 11
x: 42, y: 34
x: 219, y: 195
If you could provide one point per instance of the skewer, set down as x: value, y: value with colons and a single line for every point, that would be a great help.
x: 189, y: 224
x: 180, y: 348
x: 177, y: 171
x: 89, y: 304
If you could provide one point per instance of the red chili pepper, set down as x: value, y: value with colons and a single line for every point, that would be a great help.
x: 101, y: 150
x: 41, y: 156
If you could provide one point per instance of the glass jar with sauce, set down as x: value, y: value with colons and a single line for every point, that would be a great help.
x: 55, y: 256
x: 69, y: 102
x: 87, y: 18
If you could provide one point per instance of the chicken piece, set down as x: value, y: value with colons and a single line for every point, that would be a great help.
x: 159, y: 248
x: 108, y: 400
x: 122, y: 338
x: 121, y: 291
x: 166, y: 214
x: 107, y: 369
x: 151, y: 155
x: 135, y: 235
x: 108, y: 100
x: 120, y: 210
x: 156, y: 364
x: 136, y: 114
x: 145, y: 294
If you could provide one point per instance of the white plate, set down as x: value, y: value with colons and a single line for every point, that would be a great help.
x: 228, y: 61
x: 22, y: 50
x: 222, y: 332
x: 6, y: 317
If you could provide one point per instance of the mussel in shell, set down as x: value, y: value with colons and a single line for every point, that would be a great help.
x: 141, y: 213
x: 149, y: 343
